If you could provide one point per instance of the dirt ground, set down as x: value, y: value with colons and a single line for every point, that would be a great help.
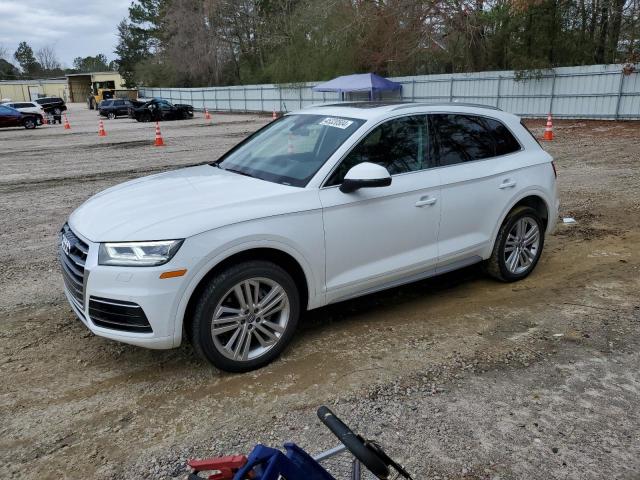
x: 458, y: 376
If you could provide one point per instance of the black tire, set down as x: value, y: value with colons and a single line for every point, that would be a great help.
x: 30, y: 123
x: 215, y: 291
x: 496, y: 265
x: 111, y: 115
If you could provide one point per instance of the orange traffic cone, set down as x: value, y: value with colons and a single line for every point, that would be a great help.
x: 159, y: 141
x: 274, y: 116
x: 45, y: 121
x: 101, y: 131
x: 548, y: 130
x: 67, y: 126
x: 207, y: 115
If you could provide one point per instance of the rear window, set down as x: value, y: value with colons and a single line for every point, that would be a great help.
x: 506, y: 143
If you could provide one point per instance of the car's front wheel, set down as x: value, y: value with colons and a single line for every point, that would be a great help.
x: 30, y: 123
x: 518, y: 245
x: 245, y: 316
x: 111, y: 115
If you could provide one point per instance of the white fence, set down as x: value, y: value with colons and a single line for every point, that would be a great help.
x: 595, y: 91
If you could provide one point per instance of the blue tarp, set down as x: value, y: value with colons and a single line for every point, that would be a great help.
x: 365, y: 82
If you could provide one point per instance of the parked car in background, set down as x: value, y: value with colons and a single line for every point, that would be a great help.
x: 52, y: 105
x: 114, y: 108
x: 10, y: 117
x: 158, y: 109
x: 325, y: 204
x: 26, y: 107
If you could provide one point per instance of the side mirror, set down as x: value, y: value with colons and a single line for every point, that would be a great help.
x: 365, y: 175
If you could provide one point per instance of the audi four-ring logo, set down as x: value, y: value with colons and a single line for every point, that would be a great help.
x: 66, y: 245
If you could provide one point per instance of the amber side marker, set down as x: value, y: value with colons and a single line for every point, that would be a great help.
x: 173, y: 274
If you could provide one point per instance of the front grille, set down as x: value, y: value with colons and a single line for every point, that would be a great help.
x: 73, y: 255
x: 118, y: 315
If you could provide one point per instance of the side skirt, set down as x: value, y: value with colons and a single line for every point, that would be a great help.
x: 432, y: 272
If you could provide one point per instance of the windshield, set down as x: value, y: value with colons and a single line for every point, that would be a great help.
x: 290, y: 150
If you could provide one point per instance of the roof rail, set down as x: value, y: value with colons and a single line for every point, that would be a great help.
x: 446, y: 104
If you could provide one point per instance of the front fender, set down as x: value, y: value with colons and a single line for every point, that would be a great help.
x: 307, y: 249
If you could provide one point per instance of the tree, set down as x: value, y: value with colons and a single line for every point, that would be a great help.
x: 47, y: 58
x: 99, y: 63
x: 8, y: 71
x: 131, y: 50
x: 217, y: 42
x: 24, y: 56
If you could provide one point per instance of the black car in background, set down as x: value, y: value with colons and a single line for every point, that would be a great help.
x: 114, y: 108
x: 158, y: 109
x: 10, y: 117
x: 52, y: 105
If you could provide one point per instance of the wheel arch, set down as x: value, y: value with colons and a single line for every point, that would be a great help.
x: 275, y: 254
x: 535, y: 199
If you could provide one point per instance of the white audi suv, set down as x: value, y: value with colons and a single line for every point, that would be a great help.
x: 322, y: 205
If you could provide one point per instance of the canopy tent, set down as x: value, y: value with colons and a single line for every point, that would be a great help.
x: 364, y: 82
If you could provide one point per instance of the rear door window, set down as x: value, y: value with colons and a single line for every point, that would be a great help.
x: 461, y: 138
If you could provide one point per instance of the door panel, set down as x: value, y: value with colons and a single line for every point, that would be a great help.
x: 376, y: 236
x: 480, y: 171
x: 472, y: 203
x: 379, y: 236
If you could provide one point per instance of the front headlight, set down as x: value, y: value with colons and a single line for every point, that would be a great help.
x: 138, y: 254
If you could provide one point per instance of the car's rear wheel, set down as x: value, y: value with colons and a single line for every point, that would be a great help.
x: 111, y: 115
x: 30, y: 123
x: 518, y: 245
x: 245, y: 316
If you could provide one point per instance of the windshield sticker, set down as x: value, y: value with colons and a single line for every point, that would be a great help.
x: 336, y: 122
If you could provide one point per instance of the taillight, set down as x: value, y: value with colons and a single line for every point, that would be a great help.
x: 555, y: 172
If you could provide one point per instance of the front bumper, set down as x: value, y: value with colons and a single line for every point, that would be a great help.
x: 139, y: 286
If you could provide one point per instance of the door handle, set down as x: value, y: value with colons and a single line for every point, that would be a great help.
x: 507, y: 184
x: 425, y: 201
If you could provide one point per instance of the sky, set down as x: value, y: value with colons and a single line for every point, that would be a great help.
x: 74, y: 28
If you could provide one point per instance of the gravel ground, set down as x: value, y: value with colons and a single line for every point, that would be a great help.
x: 458, y: 376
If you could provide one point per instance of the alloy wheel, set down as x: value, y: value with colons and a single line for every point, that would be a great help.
x: 250, y: 319
x: 522, y: 245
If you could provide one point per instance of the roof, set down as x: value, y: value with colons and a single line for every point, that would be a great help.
x: 364, y: 82
x: 375, y: 110
x: 84, y: 74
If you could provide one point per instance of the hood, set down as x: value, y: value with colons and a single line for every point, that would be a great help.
x: 183, y: 203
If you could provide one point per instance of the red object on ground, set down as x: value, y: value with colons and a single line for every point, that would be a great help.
x: 548, y: 130
x: 225, y: 466
x: 207, y: 115
x: 159, y: 140
x: 101, y: 131
x: 66, y: 123
x: 274, y: 116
